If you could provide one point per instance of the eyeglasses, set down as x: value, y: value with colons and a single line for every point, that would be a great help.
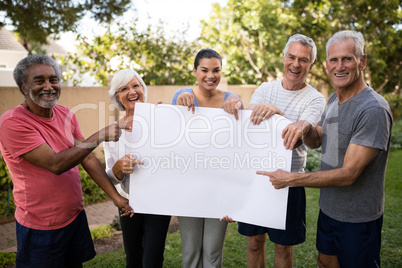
x: 135, y: 87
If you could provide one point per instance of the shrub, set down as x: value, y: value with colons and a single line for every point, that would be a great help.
x: 91, y: 191
x: 396, y: 138
x: 116, y: 223
x: 102, y: 231
x: 7, y: 259
x: 395, y: 103
x: 313, y: 160
x: 7, y: 205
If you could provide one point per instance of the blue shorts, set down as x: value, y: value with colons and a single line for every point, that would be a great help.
x: 355, y: 244
x: 68, y: 246
x: 295, y: 232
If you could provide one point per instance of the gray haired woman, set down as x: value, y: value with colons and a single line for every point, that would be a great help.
x: 144, y: 235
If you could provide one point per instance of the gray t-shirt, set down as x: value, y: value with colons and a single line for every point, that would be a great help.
x: 365, y: 119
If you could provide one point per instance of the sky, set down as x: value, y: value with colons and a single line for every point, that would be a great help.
x: 176, y: 14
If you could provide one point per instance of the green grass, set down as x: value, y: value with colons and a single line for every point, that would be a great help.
x: 391, y: 251
x: 304, y: 254
x: 110, y: 260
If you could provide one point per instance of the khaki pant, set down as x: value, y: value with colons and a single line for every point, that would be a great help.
x: 202, y: 242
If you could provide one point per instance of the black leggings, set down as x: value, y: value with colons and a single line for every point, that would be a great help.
x: 144, y: 237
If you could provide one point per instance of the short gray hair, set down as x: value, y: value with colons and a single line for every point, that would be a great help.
x: 120, y: 79
x: 344, y: 35
x: 305, y: 41
x: 20, y: 71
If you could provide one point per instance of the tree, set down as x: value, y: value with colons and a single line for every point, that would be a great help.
x: 161, y: 61
x: 251, y: 35
x: 35, y: 20
x: 378, y: 21
x: 242, y: 32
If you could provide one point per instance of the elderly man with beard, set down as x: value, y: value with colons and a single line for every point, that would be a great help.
x: 42, y: 144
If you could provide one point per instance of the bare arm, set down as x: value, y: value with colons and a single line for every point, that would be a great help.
x: 356, y: 159
x: 57, y: 163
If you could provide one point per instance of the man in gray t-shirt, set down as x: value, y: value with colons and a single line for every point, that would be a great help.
x: 363, y: 120
x: 354, y: 131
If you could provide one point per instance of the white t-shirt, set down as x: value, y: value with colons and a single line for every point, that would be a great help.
x: 304, y: 104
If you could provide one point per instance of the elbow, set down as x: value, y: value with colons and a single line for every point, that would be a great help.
x: 312, y: 142
x: 313, y: 145
x: 312, y: 137
x: 347, y: 182
x: 350, y: 177
x: 56, y: 172
x: 58, y: 169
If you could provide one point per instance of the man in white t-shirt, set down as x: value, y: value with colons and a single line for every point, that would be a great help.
x: 293, y: 98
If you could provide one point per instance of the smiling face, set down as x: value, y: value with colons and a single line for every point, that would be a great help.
x: 208, y: 73
x: 130, y: 94
x: 297, y: 63
x: 41, y: 88
x: 343, y: 66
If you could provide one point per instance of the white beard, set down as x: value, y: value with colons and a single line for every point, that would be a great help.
x: 42, y: 103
